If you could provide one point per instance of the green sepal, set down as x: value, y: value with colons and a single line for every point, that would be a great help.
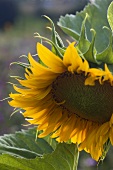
x: 110, y: 15
x: 37, y: 35
x: 83, y: 42
x: 85, y: 46
x: 56, y: 39
x: 105, y: 150
x: 90, y: 55
x: 56, y: 42
x: 106, y: 56
x: 24, y: 65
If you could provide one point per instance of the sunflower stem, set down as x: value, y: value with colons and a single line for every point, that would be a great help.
x: 76, y: 157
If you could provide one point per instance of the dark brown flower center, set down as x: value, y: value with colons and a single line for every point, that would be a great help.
x: 94, y: 103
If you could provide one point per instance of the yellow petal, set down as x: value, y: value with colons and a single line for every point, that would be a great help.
x: 83, y: 67
x: 96, y: 72
x: 71, y: 58
x: 50, y: 59
x: 36, y: 66
x: 90, y: 81
x: 111, y: 121
x: 34, y: 93
x: 95, y: 152
x: 111, y: 135
x: 68, y: 126
x: 24, y: 102
x: 53, y: 119
x: 39, y: 82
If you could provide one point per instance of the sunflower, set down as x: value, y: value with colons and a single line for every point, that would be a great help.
x: 68, y: 99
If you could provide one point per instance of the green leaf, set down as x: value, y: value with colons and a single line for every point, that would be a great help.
x: 23, y: 144
x: 110, y: 15
x: 96, y: 47
x: 97, y: 12
x: 64, y: 157
x: 68, y: 25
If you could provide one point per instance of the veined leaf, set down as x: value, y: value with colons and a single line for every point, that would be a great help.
x: 23, y: 144
x: 97, y: 47
x: 64, y: 157
x: 97, y: 18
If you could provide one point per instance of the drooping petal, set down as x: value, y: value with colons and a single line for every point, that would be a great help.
x: 111, y: 135
x: 35, y: 93
x: 53, y: 119
x: 36, y: 83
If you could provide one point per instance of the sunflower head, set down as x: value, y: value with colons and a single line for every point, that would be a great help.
x: 67, y: 99
x: 69, y: 94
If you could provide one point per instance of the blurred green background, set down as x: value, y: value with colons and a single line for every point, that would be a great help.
x: 19, y: 20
